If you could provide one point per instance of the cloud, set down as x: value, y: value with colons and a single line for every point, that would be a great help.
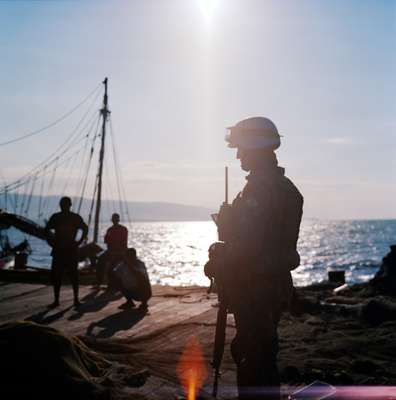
x: 342, y: 140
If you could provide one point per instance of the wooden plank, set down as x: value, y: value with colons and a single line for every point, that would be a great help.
x: 12, y: 290
x: 99, y: 316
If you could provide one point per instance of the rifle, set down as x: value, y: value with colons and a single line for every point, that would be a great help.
x: 221, y: 320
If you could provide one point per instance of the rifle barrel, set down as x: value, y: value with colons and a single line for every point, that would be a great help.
x: 215, y: 382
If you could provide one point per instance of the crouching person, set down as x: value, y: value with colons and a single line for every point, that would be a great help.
x: 130, y: 277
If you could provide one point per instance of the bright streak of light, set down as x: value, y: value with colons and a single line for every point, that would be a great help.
x: 191, y: 368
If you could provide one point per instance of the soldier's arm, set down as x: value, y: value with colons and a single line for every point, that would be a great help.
x: 256, y: 230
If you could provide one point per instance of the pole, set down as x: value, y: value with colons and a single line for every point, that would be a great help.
x: 105, y: 112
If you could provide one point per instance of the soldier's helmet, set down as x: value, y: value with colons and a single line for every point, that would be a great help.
x: 254, y: 133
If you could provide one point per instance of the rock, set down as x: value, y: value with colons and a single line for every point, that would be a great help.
x: 368, y: 381
x: 364, y: 367
x: 375, y: 312
x: 290, y: 374
x: 313, y: 375
x: 343, y: 378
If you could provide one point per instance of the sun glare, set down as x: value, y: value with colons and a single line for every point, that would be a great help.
x: 208, y: 8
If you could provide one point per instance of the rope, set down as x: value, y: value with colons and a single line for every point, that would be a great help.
x: 51, y: 185
x: 51, y: 159
x: 22, y: 205
x: 85, y: 155
x: 30, y: 195
x: 122, y: 192
x: 15, y: 201
x: 88, y: 167
x: 57, y: 121
x: 69, y: 175
x: 108, y: 182
x: 41, y: 195
x: 39, y: 171
x: 92, y: 202
x: 105, y: 202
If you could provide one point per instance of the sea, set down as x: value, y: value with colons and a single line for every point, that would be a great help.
x: 175, y: 252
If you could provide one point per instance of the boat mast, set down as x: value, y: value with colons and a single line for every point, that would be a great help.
x: 105, y: 112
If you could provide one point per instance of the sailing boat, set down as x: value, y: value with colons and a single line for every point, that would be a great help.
x: 18, y: 270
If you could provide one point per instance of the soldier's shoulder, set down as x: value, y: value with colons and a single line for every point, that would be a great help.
x: 288, y: 186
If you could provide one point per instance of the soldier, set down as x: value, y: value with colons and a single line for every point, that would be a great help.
x: 260, y: 231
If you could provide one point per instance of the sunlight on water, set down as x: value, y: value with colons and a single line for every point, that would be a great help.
x: 175, y: 252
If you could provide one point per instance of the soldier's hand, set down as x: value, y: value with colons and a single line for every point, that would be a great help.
x: 216, y: 251
x: 216, y: 254
x: 210, y: 269
x: 225, y: 210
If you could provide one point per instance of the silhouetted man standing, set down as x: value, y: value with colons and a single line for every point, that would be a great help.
x: 65, y: 225
x: 116, y: 239
x: 259, y: 232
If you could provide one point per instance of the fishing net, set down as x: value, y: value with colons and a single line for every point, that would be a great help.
x: 41, y: 361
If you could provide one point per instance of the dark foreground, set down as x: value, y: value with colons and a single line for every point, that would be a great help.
x: 346, y: 339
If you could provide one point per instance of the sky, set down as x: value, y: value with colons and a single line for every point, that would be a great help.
x: 181, y: 71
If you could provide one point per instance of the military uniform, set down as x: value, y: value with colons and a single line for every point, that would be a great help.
x: 262, y: 232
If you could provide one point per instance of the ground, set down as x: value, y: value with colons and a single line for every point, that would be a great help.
x: 325, y: 341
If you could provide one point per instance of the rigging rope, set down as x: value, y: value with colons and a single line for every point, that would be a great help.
x: 54, y: 154
x: 47, y: 162
x: 51, y: 185
x: 30, y: 195
x: 107, y: 182
x: 106, y: 201
x: 92, y: 150
x: 93, y: 202
x: 85, y: 156
x: 69, y: 174
x: 15, y: 201
x: 57, y: 121
x: 22, y: 205
x: 119, y: 174
x: 41, y: 195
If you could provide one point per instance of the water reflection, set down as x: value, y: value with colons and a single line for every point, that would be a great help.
x: 175, y: 252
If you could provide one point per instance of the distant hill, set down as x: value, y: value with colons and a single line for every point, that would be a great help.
x: 139, y: 211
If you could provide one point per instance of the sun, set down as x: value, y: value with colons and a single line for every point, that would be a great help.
x: 208, y: 8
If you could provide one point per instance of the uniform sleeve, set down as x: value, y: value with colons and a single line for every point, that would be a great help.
x: 257, y: 227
